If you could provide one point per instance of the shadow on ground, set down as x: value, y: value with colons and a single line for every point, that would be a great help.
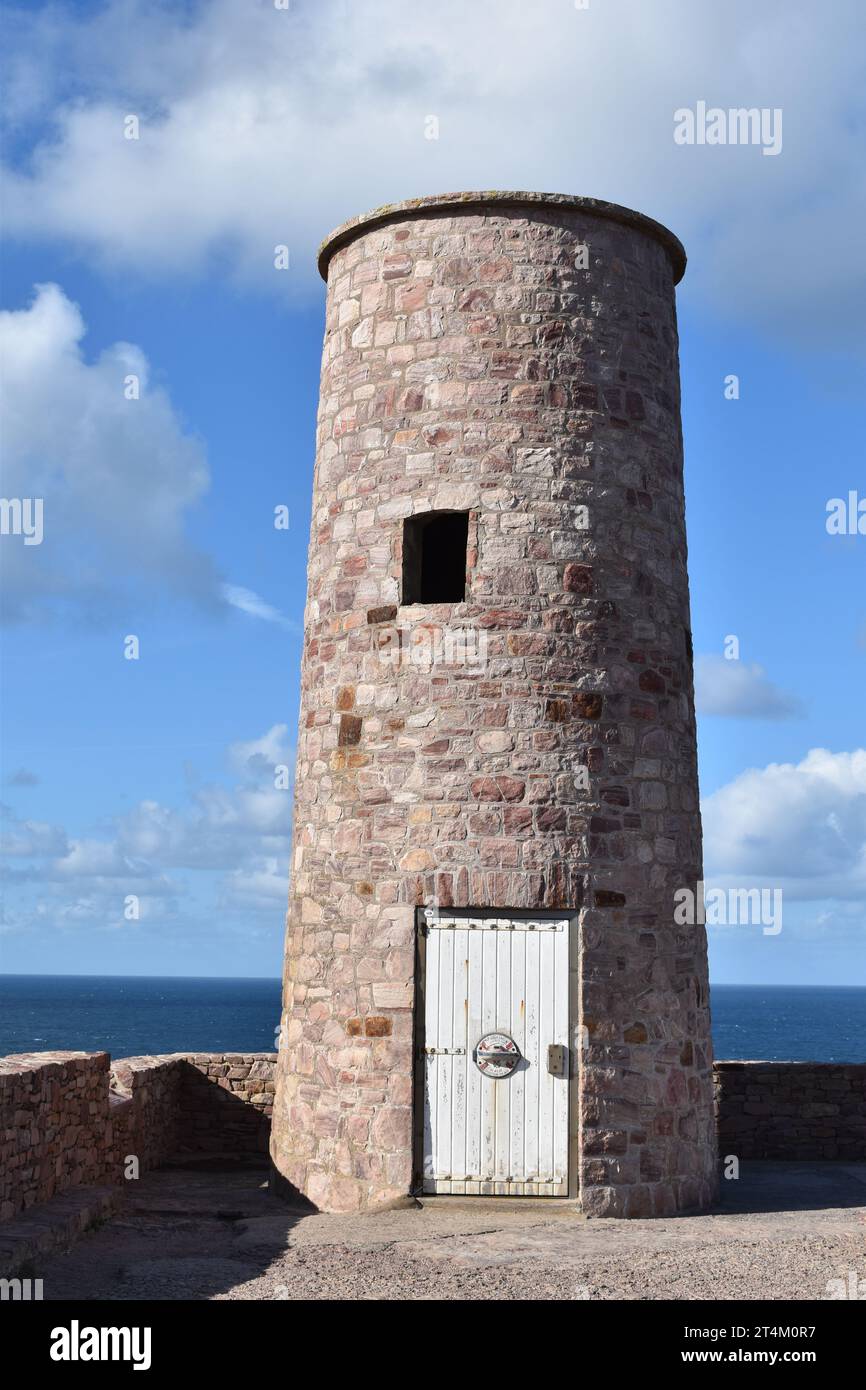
x: 180, y: 1235
x: 782, y: 1231
x: 776, y: 1187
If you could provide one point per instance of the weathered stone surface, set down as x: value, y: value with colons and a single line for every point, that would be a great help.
x: 72, y: 1119
x: 375, y: 1026
x: 471, y: 364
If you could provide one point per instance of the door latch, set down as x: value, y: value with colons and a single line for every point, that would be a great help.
x: 557, y: 1059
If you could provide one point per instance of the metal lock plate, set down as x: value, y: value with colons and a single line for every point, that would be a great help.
x: 496, y: 1055
x: 557, y: 1059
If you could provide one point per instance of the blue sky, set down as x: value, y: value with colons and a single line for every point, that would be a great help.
x: 261, y: 127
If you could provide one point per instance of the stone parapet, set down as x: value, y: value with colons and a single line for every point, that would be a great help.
x: 75, y: 1119
x: 791, y: 1110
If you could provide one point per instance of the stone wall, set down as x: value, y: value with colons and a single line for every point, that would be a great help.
x: 51, y: 1104
x: 791, y: 1110
x: 143, y: 1104
x: 71, y: 1119
x: 226, y: 1102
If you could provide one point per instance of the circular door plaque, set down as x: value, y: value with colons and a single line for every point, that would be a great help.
x: 496, y: 1055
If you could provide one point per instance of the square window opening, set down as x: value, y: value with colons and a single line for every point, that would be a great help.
x: 434, y: 557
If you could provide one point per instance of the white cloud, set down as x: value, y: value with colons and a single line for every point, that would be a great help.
x: 258, y: 757
x: 800, y: 827
x: 738, y: 690
x: 116, y: 476
x: 101, y: 904
x: 255, y: 607
x: 95, y: 859
x: 262, y: 126
x: 225, y: 850
x: 222, y: 828
x: 23, y: 838
x: 263, y: 885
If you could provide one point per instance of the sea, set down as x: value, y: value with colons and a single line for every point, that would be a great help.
x: 133, y: 1015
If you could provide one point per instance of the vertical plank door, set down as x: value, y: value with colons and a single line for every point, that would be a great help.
x: 486, y: 1136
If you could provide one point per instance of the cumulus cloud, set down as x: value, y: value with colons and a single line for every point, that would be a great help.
x: 263, y: 885
x: 25, y: 838
x: 258, y: 757
x: 115, y: 476
x: 800, y: 827
x: 222, y: 827
x: 225, y: 849
x: 115, y: 473
x: 737, y: 690
x: 261, y: 126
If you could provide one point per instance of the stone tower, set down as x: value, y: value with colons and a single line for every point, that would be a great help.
x: 485, y: 989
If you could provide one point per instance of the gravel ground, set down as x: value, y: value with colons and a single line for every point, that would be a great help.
x: 782, y: 1232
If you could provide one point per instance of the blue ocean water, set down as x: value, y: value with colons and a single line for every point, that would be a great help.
x: 789, y: 1023
x: 133, y: 1015
x: 127, y: 1016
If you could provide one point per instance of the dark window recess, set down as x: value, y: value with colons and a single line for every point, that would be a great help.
x: 434, y: 557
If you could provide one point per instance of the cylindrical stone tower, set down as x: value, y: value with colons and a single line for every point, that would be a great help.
x: 486, y: 989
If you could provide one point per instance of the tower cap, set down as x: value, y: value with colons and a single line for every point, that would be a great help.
x: 491, y: 199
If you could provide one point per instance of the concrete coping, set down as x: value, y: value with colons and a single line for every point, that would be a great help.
x: 490, y: 200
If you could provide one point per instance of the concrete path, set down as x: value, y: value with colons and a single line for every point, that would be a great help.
x: 783, y: 1231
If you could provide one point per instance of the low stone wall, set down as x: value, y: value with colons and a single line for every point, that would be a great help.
x: 143, y: 1105
x: 791, y: 1110
x: 72, y: 1119
x: 226, y: 1102
x: 50, y: 1105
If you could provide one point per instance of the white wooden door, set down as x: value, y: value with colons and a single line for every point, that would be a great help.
x: 508, y: 1136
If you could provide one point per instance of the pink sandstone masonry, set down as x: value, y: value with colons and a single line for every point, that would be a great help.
x: 69, y: 1119
x: 512, y: 357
